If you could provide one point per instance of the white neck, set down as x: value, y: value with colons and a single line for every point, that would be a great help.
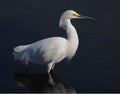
x: 72, y: 36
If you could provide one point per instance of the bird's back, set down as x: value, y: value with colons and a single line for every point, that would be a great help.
x: 49, y: 44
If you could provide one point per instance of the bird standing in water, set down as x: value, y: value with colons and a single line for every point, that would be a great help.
x: 52, y: 50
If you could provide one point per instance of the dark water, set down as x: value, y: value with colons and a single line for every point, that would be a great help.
x: 95, y: 67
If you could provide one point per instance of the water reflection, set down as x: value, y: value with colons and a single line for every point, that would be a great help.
x: 44, y: 83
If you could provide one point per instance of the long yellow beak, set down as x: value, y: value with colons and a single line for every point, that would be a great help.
x: 83, y: 17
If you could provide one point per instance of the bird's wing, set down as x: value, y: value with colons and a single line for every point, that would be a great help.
x: 47, y: 48
x: 56, y: 54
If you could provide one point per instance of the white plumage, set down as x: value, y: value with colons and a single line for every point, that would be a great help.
x: 52, y: 50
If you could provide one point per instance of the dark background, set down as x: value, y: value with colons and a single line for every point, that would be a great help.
x: 96, y: 65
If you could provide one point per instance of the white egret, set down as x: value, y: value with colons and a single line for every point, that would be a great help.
x: 52, y: 50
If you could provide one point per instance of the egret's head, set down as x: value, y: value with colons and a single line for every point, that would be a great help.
x: 70, y: 14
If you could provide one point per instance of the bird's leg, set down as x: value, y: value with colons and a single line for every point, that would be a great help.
x: 53, y: 66
x: 50, y: 79
x: 49, y: 67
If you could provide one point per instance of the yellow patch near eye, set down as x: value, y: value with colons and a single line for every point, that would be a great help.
x: 76, y: 15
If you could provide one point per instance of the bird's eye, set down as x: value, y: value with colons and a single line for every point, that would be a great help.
x: 76, y: 15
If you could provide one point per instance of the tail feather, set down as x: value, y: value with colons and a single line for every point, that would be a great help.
x: 19, y: 52
x: 20, y: 48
